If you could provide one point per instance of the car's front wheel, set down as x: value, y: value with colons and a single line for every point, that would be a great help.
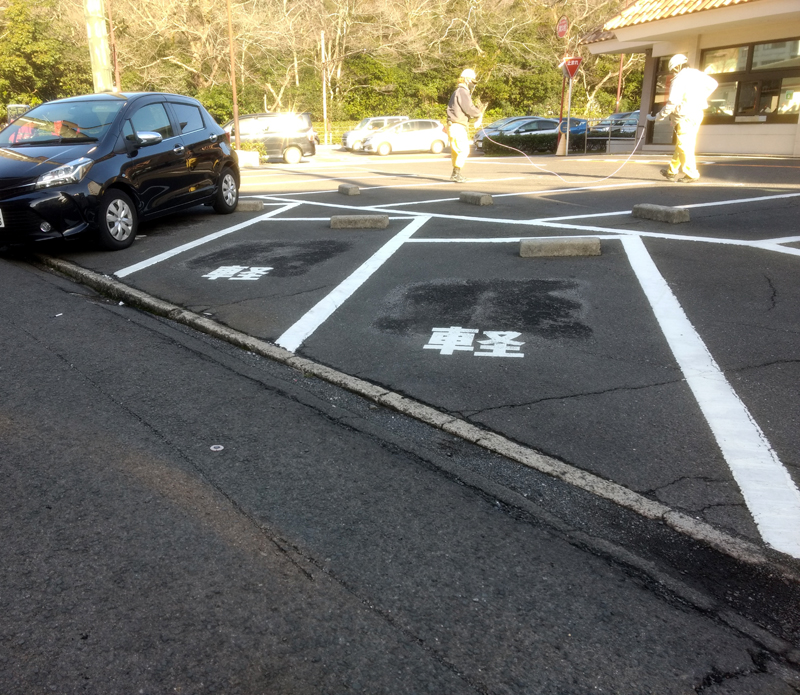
x: 437, y: 147
x: 227, y: 194
x: 384, y: 148
x: 357, y: 145
x: 292, y: 155
x: 117, y: 221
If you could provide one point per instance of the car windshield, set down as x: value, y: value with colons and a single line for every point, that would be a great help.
x: 62, y: 123
x: 364, y: 123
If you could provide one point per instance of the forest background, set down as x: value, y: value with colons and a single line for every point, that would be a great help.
x: 383, y: 56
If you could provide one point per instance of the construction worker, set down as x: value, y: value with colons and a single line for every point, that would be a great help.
x: 688, y: 98
x: 459, y: 110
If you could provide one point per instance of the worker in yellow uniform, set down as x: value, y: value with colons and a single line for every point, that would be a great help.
x: 688, y: 98
x: 459, y: 110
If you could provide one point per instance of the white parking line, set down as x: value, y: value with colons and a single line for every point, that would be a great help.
x: 199, y: 242
x: 293, y: 338
x: 768, y: 490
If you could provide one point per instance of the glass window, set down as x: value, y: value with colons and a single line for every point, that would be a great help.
x: 189, y: 117
x: 65, y: 122
x: 153, y: 119
x: 723, y: 99
x: 790, y: 95
x: 725, y: 60
x: 748, y: 99
x: 251, y: 126
x: 772, y: 56
x: 769, y: 96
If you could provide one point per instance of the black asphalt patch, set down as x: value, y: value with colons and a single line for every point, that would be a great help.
x: 548, y: 308
x: 287, y: 259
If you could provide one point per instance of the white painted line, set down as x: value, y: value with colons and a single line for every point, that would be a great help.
x: 547, y: 191
x: 293, y: 338
x: 768, y: 490
x: 778, y: 249
x: 742, y: 200
x: 199, y: 242
x: 508, y: 240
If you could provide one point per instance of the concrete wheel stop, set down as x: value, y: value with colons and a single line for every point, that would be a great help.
x: 349, y: 189
x: 359, y: 221
x: 249, y: 205
x: 543, y: 248
x: 660, y: 213
x: 475, y: 198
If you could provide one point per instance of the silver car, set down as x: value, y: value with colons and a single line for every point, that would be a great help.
x: 418, y: 135
x: 354, y: 139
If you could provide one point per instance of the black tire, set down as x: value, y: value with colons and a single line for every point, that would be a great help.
x: 293, y: 155
x: 117, y: 221
x: 227, y: 193
x: 357, y: 146
x: 437, y: 147
x: 384, y: 149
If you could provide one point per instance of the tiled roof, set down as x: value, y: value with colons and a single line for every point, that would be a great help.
x: 597, y: 35
x: 651, y: 10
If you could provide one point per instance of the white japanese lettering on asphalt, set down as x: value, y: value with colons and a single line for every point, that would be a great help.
x: 237, y: 272
x: 499, y: 343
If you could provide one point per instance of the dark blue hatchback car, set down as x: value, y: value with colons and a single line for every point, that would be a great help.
x: 100, y: 163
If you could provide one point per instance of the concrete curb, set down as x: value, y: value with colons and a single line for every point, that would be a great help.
x: 359, y: 221
x: 737, y: 548
x: 544, y: 248
x: 660, y: 213
x: 349, y: 189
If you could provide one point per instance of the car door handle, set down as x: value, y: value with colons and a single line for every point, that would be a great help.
x: 179, y: 149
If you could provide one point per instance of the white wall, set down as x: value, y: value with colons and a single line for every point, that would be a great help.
x: 755, y: 138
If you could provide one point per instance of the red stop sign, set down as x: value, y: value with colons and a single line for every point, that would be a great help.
x: 572, y: 65
x: 562, y: 27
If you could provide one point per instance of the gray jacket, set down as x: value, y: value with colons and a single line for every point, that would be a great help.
x: 460, y: 107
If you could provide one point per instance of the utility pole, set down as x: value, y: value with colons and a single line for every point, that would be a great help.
x: 324, y: 90
x: 233, y: 76
x: 117, y: 85
x: 97, y: 32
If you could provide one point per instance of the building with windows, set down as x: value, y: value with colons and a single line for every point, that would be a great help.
x: 752, y: 49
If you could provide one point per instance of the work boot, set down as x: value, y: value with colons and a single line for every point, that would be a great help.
x: 456, y: 177
x: 689, y: 179
x: 669, y: 177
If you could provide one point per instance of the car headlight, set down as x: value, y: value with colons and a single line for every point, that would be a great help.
x: 68, y: 173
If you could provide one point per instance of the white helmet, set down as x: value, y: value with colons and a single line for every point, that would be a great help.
x: 469, y: 74
x: 677, y: 60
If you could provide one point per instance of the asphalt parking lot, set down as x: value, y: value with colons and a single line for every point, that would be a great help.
x: 668, y: 364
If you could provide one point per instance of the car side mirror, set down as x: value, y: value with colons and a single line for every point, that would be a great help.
x: 147, y: 138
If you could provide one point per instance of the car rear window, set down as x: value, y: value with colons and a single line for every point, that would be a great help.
x: 189, y: 117
x: 62, y: 122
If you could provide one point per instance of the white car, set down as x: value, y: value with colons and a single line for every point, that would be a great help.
x: 418, y: 135
x: 354, y: 139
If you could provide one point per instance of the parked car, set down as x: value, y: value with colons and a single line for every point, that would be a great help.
x: 103, y: 162
x: 621, y: 125
x: 418, y: 135
x: 577, y: 126
x: 531, y: 126
x: 354, y: 139
x: 494, y: 128
x: 286, y: 135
